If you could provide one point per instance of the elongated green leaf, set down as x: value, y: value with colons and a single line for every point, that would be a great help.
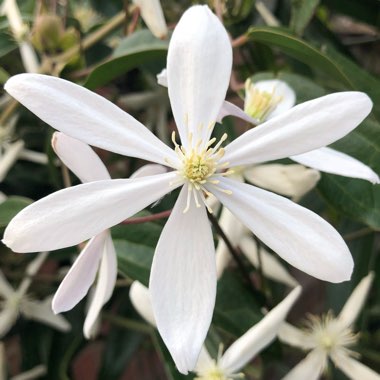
x: 138, y: 50
x: 10, y: 207
x: 302, y: 12
x: 134, y: 260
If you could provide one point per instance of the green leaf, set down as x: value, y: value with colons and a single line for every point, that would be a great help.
x: 301, y: 14
x: 134, y: 260
x: 10, y: 207
x: 325, y: 59
x: 358, y: 199
x: 138, y: 50
x: 4, y: 76
x: 236, y: 308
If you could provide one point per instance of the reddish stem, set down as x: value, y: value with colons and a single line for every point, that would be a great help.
x: 149, y: 218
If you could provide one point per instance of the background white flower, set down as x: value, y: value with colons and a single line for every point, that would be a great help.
x: 329, y: 337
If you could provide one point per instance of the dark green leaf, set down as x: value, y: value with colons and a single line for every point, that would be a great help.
x: 10, y: 207
x: 302, y: 12
x: 137, y: 50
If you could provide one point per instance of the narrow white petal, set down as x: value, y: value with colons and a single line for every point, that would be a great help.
x: 353, y: 369
x: 162, y: 78
x: 229, y: 109
x: 295, y: 337
x: 199, y: 69
x: 140, y: 298
x: 79, y: 158
x: 31, y: 374
x: 205, y: 362
x: 6, y: 290
x: 152, y: 14
x: 81, y: 275
x: 8, y: 317
x: 183, y: 282
x: 356, y: 301
x: 150, y: 169
x: 298, y: 235
x: 106, y: 282
x: 290, y: 180
x: 9, y: 158
x: 73, y: 215
x: 281, y: 90
x: 234, y: 231
x: 305, y: 127
x: 331, y: 161
x: 41, y: 311
x: 270, y: 266
x: 86, y: 116
x: 258, y: 336
x: 309, y: 368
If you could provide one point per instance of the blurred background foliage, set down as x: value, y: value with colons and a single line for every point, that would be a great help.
x: 316, y: 46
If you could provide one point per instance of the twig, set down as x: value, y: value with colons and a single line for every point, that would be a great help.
x: 127, y: 323
x: 149, y: 218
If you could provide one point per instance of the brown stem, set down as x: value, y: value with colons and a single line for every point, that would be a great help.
x: 149, y: 218
x: 239, y: 41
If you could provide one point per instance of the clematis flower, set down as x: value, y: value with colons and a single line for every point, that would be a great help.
x: 183, y: 268
x: 17, y: 301
x: 152, y: 14
x: 242, y: 351
x: 99, y: 255
x: 329, y: 337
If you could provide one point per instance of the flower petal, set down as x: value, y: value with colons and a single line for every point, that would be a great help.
x: 305, y: 127
x: 8, y: 317
x: 295, y: 337
x: 331, y: 161
x: 356, y: 301
x: 152, y: 14
x: 352, y: 368
x: 140, y: 298
x: 41, y: 311
x: 199, y: 69
x: 229, y: 109
x: 205, y: 362
x: 234, y: 231
x: 71, y: 216
x: 150, y: 169
x: 271, y: 267
x: 298, y: 235
x: 81, y: 275
x: 162, y: 78
x: 6, y: 290
x: 106, y: 282
x: 258, y: 336
x: 86, y: 116
x: 278, y: 89
x: 79, y: 158
x: 290, y: 180
x: 183, y: 282
x: 309, y: 368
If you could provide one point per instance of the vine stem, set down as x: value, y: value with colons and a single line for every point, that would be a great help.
x: 149, y: 218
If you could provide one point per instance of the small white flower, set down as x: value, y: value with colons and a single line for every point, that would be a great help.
x: 329, y: 337
x: 17, y: 302
x: 199, y: 63
x: 242, y: 351
x: 152, y: 14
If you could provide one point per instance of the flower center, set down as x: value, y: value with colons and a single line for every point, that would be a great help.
x: 328, y: 333
x: 200, y: 167
x: 215, y: 373
x: 258, y: 104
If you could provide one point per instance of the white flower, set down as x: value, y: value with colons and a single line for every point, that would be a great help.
x: 152, y: 14
x: 242, y: 351
x: 329, y: 337
x: 183, y: 275
x: 266, y: 100
x: 17, y: 302
x: 99, y: 254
